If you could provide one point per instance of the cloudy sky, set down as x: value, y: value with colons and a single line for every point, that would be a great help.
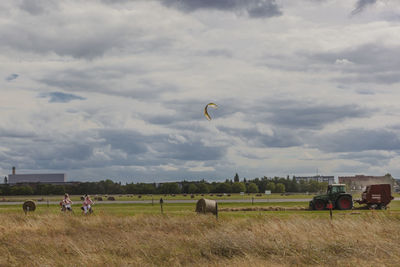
x: 116, y: 88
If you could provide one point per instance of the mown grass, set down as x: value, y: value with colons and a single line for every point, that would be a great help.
x: 53, y: 239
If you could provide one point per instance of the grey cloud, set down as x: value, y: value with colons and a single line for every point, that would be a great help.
x: 133, y: 142
x: 37, y: 7
x: 191, y: 150
x: 279, y: 138
x: 99, y: 80
x: 12, y: 77
x: 128, y: 141
x: 356, y: 140
x: 367, y: 63
x: 315, y: 117
x: 361, y: 5
x: 374, y: 158
x: 218, y: 53
x: 59, y: 97
x: 72, y: 39
x: 16, y: 133
x: 253, y: 8
x: 303, y: 114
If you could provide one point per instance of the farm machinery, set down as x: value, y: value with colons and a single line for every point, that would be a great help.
x: 336, y: 196
x: 376, y: 196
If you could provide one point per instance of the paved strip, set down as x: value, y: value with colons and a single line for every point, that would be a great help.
x: 176, y: 201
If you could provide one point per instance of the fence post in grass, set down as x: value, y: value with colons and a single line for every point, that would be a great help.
x: 252, y: 200
x: 216, y: 210
x: 161, y: 205
x: 47, y: 202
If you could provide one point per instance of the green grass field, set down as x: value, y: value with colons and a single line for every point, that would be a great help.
x: 76, y: 198
x: 165, y: 197
x: 179, y: 209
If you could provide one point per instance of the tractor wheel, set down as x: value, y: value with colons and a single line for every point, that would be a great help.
x: 344, y: 203
x: 319, y: 204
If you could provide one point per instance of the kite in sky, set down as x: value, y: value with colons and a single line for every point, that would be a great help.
x: 206, y: 112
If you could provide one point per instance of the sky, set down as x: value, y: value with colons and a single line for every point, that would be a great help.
x: 104, y: 89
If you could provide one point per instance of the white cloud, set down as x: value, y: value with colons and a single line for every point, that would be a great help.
x: 292, y: 81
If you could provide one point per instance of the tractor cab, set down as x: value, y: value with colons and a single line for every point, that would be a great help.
x: 336, y: 188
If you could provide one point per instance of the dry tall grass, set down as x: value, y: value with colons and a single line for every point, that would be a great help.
x: 104, y: 240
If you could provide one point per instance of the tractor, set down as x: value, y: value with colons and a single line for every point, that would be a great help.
x: 335, y: 195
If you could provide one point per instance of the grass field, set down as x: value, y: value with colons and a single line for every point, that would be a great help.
x: 76, y: 198
x: 139, y: 235
x: 165, y: 197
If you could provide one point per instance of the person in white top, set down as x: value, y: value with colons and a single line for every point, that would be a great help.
x: 66, y: 203
x: 87, y: 205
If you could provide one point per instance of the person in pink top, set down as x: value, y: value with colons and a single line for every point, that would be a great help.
x: 87, y: 204
x: 66, y: 203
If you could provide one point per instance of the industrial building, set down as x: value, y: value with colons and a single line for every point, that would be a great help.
x: 44, y: 178
x: 360, y: 182
x: 317, y: 178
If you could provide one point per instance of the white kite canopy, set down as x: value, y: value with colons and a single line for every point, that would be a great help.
x: 213, y: 105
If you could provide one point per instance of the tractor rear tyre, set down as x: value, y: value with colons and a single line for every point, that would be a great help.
x: 344, y: 203
x: 319, y: 204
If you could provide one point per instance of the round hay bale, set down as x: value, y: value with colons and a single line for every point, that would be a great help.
x: 29, y: 205
x: 111, y: 198
x: 99, y: 199
x: 206, y: 205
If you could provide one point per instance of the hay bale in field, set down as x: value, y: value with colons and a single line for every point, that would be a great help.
x: 206, y: 205
x: 29, y: 205
x: 111, y: 198
x: 139, y: 196
x: 98, y: 198
x: 192, y: 196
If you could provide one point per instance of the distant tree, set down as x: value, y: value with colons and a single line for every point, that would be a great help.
x: 238, y: 187
x: 5, y: 180
x: 280, y: 188
x: 203, y: 188
x: 271, y: 186
x: 169, y: 188
x: 252, y: 188
x: 192, y: 188
x: 236, y: 178
x: 224, y: 188
x: 21, y: 190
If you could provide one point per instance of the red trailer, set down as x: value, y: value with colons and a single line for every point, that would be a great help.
x: 376, y: 196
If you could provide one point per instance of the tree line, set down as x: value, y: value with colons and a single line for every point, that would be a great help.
x: 256, y: 185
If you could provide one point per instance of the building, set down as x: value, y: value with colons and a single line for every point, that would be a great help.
x: 359, y: 182
x: 317, y: 178
x: 45, y: 178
